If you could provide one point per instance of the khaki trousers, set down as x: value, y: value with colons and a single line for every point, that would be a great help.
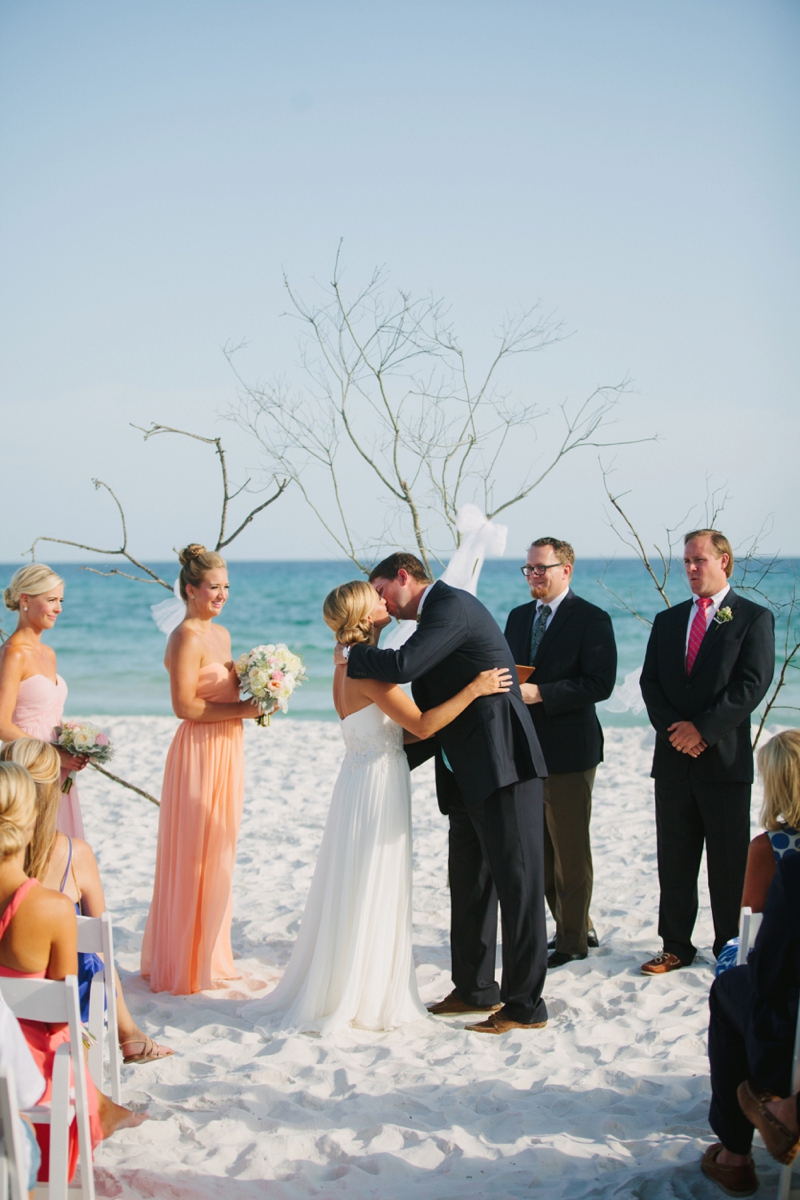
x: 568, y: 874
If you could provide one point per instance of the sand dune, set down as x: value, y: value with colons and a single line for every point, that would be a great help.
x: 611, y: 1099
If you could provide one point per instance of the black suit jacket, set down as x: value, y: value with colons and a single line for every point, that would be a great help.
x: 576, y: 667
x: 774, y: 967
x: 492, y: 743
x: 731, y: 674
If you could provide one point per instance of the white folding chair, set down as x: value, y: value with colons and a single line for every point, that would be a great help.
x: 749, y: 925
x: 12, y: 1185
x: 55, y: 1002
x: 96, y: 936
x: 785, y: 1184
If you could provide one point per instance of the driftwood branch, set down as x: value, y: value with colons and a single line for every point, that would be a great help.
x: 124, y: 783
x: 147, y: 574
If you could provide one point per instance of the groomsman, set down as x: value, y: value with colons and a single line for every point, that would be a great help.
x: 708, y: 665
x: 570, y: 643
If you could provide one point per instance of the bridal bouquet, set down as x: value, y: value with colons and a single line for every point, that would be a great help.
x: 79, y: 737
x: 269, y: 674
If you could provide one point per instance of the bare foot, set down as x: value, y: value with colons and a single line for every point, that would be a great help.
x: 113, y: 1116
x: 726, y: 1158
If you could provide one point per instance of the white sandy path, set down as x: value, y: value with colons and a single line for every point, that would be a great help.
x: 611, y: 1099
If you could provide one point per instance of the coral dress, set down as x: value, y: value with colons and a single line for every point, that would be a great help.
x: 187, y: 941
x: 40, y: 708
x: 43, y: 1041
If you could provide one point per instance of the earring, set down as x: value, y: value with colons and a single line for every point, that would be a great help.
x: 24, y: 608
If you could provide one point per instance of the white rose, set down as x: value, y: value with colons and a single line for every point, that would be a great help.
x: 82, y: 740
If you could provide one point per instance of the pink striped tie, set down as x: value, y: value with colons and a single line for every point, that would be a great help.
x: 698, y: 631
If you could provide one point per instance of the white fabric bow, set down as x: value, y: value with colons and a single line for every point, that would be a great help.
x: 168, y: 614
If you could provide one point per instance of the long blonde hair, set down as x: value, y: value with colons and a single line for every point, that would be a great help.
x: 346, y: 611
x: 779, y: 768
x: 17, y: 808
x: 42, y: 762
x: 30, y: 581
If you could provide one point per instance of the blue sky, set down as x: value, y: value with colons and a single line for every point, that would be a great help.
x: 632, y: 165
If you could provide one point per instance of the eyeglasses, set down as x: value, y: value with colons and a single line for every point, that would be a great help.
x: 538, y: 570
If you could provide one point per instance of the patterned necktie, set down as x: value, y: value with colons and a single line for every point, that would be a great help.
x: 539, y: 626
x: 698, y: 631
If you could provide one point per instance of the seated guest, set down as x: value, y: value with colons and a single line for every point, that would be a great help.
x: 29, y: 1087
x: 779, y: 767
x: 68, y: 865
x: 751, y: 1031
x: 38, y: 940
x: 570, y: 644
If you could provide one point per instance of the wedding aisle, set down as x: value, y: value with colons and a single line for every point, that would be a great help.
x: 611, y: 1099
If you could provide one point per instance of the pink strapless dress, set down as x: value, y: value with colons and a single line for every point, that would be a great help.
x: 40, y: 708
x: 187, y: 940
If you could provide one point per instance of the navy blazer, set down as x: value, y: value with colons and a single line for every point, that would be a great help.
x: 492, y: 743
x: 774, y: 967
x: 576, y: 667
x: 730, y: 677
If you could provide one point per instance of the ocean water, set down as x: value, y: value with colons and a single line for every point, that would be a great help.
x: 111, y: 653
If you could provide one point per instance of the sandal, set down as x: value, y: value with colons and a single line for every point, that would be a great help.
x: 780, y: 1141
x: 150, y: 1051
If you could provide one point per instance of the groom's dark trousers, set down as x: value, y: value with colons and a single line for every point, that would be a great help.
x: 492, y: 792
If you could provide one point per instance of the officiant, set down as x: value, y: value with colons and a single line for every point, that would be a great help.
x: 570, y: 644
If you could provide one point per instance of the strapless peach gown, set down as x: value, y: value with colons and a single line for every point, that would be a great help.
x: 40, y: 708
x: 187, y: 941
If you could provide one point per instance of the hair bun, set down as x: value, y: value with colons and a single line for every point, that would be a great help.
x: 190, y: 553
x: 9, y: 600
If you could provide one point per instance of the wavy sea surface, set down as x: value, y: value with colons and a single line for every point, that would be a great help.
x: 110, y: 651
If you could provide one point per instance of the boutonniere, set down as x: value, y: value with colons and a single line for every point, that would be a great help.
x: 723, y: 616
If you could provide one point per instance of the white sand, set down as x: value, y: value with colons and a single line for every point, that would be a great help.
x: 611, y: 1099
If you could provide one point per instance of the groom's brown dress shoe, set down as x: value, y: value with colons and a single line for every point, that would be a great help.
x: 780, y: 1141
x: 451, y: 1006
x: 662, y: 963
x: 500, y: 1024
x: 734, y: 1181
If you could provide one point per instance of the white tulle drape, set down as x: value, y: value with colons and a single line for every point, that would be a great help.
x: 627, y: 696
x: 168, y: 614
x: 479, y: 538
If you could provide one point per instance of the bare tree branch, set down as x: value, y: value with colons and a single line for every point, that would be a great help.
x: 125, y: 784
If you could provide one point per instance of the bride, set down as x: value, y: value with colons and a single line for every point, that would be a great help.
x: 352, y: 961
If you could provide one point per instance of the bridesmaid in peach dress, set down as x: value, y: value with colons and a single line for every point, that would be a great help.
x: 32, y: 693
x: 187, y: 941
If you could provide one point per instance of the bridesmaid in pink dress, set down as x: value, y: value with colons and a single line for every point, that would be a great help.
x: 32, y: 693
x: 187, y: 941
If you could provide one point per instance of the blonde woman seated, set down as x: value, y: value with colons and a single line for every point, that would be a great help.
x: 779, y: 768
x: 352, y: 962
x: 38, y: 940
x: 67, y: 865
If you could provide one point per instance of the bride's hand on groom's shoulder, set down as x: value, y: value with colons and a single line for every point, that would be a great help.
x: 489, y: 683
x: 339, y: 659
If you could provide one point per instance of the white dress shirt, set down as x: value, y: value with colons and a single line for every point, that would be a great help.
x: 422, y: 599
x: 553, y: 606
x: 711, y: 611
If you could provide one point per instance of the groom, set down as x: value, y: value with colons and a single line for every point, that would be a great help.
x: 489, y: 771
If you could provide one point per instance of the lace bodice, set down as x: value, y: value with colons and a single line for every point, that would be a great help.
x: 369, y: 735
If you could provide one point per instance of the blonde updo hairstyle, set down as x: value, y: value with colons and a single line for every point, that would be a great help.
x: 779, y: 768
x: 17, y: 808
x: 346, y: 611
x: 43, y: 764
x: 30, y: 581
x: 195, y: 560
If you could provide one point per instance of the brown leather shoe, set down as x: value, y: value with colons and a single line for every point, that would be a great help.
x: 497, y: 1024
x: 451, y: 1006
x: 734, y: 1181
x: 780, y: 1141
x: 662, y: 963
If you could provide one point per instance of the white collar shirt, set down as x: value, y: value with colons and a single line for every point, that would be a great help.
x: 423, y: 598
x: 711, y: 611
x: 553, y: 606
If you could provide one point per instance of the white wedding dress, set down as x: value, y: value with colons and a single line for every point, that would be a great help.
x: 352, y: 962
